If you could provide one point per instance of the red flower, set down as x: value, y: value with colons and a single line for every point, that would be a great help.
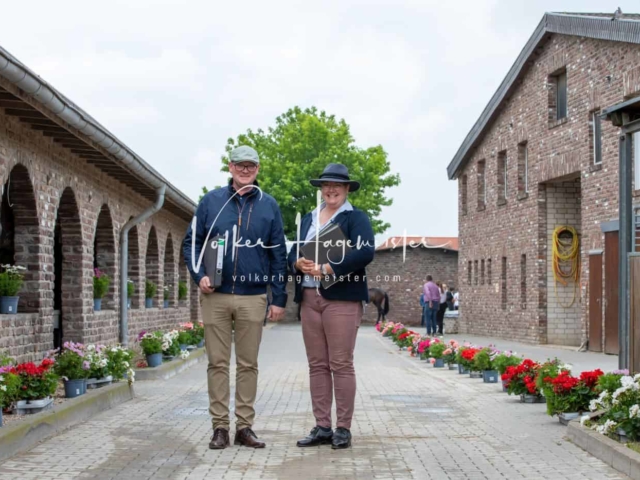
x: 590, y: 379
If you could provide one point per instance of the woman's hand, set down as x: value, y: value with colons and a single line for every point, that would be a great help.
x: 303, y: 265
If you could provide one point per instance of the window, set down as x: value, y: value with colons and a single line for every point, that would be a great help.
x: 561, y: 95
x: 502, y: 177
x: 503, y: 281
x: 523, y: 168
x: 469, y: 272
x: 523, y: 281
x: 463, y: 194
x: 557, y: 97
x: 482, y: 190
x: 482, y: 271
x: 475, y: 272
x: 595, y: 129
x: 489, y: 279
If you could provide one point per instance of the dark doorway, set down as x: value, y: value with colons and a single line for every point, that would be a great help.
x: 611, y: 268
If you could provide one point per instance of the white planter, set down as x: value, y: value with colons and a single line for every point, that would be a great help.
x: 99, y: 382
x: 34, y: 406
x: 566, y: 417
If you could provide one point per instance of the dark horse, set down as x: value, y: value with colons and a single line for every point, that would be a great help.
x: 381, y: 300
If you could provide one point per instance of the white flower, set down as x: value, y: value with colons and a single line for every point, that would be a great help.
x: 626, y: 381
x: 125, y: 364
x: 3, y: 388
x: 593, y: 405
x: 584, y: 419
x: 609, y: 426
x: 1, y: 378
x: 567, y: 366
x: 634, y: 410
x: 184, y: 354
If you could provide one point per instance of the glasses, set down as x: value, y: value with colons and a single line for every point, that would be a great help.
x: 249, y: 167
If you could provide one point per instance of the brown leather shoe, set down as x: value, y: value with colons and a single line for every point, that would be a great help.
x: 220, y: 439
x: 247, y: 438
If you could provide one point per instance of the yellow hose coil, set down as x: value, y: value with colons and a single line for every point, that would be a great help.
x: 566, y: 260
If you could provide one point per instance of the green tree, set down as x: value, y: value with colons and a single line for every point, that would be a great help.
x: 299, y: 147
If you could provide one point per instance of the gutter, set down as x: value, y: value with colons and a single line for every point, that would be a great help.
x: 66, y: 111
x: 124, y: 261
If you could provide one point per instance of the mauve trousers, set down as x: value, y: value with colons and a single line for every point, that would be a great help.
x: 329, y: 329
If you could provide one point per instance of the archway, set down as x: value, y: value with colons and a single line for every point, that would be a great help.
x: 104, y: 254
x: 170, y: 271
x: 133, y: 269
x: 183, y: 276
x: 152, y: 270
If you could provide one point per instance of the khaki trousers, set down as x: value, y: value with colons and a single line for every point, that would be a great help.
x: 219, y: 310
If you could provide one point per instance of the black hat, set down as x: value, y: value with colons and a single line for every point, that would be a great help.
x: 335, y: 172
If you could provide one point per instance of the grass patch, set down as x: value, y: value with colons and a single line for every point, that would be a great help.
x: 635, y: 446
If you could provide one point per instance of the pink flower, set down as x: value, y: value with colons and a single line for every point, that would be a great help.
x: 86, y: 365
x: 448, y: 351
x: 432, y: 361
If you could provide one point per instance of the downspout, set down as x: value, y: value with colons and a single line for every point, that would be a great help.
x: 124, y: 260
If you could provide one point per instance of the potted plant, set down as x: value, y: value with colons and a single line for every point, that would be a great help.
x: 463, y: 364
x: 101, y: 283
x: 571, y: 396
x: 130, y: 291
x: 521, y: 380
x: 11, y: 280
x: 72, y: 366
x: 182, y: 290
x: 546, y: 372
x: 150, y: 290
x: 119, y: 363
x: 184, y: 339
x: 151, y: 344
x: 170, y: 345
x: 502, y: 361
x: 165, y: 293
x: 423, y: 348
x: 468, y: 356
x: 483, y: 362
x: 37, y: 384
x: 198, y: 333
x: 436, y: 350
x: 98, y: 372
x: 9, y: 389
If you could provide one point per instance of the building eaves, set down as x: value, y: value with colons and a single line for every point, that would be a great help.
x: 626, y: 29
x: 111, y: 154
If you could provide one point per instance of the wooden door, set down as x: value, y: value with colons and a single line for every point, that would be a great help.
x: 611, y: 293
x: 595, y: 302
x: 634, y: 304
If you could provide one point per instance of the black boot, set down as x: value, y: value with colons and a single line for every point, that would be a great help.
x: 341, y: 438
x: 318, y: 436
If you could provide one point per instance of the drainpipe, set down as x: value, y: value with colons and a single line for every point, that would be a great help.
x: 124, y: 260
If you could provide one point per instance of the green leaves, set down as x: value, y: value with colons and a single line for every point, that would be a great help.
x: 298, y: 148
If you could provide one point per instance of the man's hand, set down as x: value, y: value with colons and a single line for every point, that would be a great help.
x: 430, y: 304
x: 275, y: 313
x: 303, y: 265
x: 205, y: 285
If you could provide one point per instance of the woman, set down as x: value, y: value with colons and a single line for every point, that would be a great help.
x: 331, y: 316
x: 443, y: 306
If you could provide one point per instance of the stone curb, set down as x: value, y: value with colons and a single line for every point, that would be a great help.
x: 614, y: 454
x: 33, y: 429
x: 172, y: 368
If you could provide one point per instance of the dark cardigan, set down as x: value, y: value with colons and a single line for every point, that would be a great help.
x: 353, y: 285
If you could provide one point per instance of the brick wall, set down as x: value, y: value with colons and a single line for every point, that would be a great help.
x: 403, y: 279
x: 53, y: 192
x: 599, y: 74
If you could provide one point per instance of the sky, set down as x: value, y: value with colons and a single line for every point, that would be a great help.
x: 175, y: 79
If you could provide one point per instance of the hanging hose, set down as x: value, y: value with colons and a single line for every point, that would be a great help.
x: 566, y: 260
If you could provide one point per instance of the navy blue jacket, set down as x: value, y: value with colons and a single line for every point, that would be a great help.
x: 257, y: 219
x: 353, y: 285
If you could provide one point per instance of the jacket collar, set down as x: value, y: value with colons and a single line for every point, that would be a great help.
x: 232, y: 190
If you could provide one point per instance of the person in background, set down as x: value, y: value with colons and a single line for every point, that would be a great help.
x: 423, y: 306
x: 450, y: 298
x: 442, y: 307
x: 456, y: 300
x: 432, y: 299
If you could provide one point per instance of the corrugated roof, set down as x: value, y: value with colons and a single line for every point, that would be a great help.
x: 590, y: 25
x: 446, y: 243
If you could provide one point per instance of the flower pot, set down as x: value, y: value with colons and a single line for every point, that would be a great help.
x: 201, y: 343
x: 566, y: 417
x: 473, y: 374
x: 148, y: 302
x: 0, y: 417
x: 191, y: 347
x: 439, y: 363
x: 128, y: 303
x: 183, y: 347
x: 622, y: 435
x: 166, y: 304
x: 97, y: 304
x: 9, y: 305
x: 526, y: 398
x: 27, y: 407
x: 452, y: 366
x: 154, y: 360
x: 504, y: 386
x: 490, y: 376
x: 74, y: 388
x: 168, y: 357
x: 462, y: 370
x: 99, y: 382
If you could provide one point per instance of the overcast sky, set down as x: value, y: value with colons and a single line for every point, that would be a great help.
x: 175, y: 79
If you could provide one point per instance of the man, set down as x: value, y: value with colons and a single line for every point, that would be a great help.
x: 432, y: 299
x: 254, y: 256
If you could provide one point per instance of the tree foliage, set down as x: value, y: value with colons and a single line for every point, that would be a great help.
x: 299, y: 147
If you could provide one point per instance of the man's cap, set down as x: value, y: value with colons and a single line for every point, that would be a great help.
x: 244, y: 154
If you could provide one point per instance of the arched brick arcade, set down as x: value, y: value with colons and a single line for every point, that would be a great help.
x: 170, y: 271
x: 19, y: 238
x: 152, y: 266
x: 104, y: 254
x: 133, y: 272
x: 68, y: 253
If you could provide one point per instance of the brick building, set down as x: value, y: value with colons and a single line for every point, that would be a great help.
x: 538, y: 158
x: 400, y: 266
x: 68, y: 187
